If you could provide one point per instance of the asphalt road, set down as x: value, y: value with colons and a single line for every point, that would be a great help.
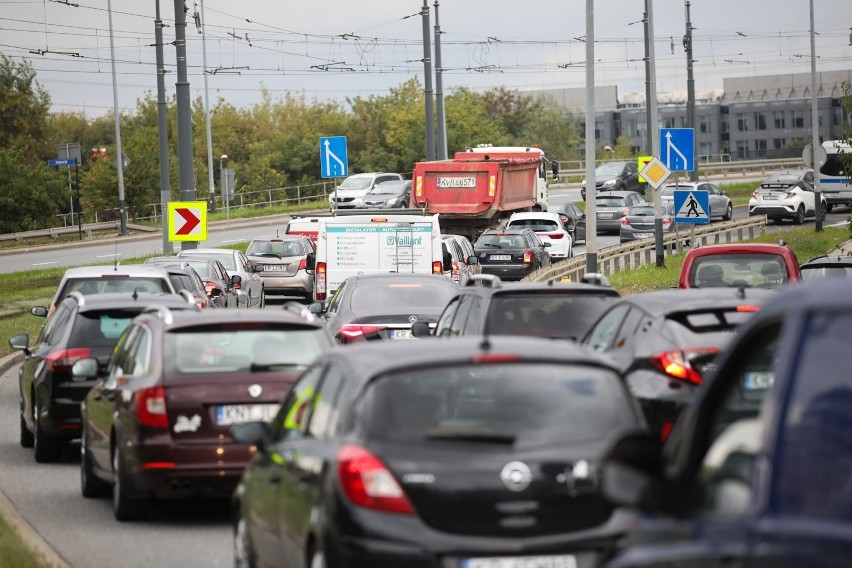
x: 83, y: 531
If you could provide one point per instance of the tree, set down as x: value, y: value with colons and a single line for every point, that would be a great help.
x: 24, y: 106
x: 30, y: 196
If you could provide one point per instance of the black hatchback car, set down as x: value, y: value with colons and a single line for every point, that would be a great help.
x: 457, y: 453
x: 511, y: 254
x: 81, y: 327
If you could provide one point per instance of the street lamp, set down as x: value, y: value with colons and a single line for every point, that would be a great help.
x: 223, y: 186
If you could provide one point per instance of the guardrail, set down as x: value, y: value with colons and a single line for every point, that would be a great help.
x: 627, y: 256
x: 56, y: 232
x: 724, y: 169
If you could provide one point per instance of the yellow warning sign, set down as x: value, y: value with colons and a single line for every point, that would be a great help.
x: 187, y: 220
x: 655, y: 172
x: 641, y: 161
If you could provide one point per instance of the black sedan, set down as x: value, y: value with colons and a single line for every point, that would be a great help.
x: 573, y: 219
x: 458, y: 452
x: 511, y: 254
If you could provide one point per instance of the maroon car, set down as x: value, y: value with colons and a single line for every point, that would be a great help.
x: 156, y: 425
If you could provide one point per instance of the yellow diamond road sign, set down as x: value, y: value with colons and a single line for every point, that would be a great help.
x: 655, y: 172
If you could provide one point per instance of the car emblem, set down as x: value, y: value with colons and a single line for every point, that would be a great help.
x: 255, y: 390
x: 184, y: 424
x: 516, y: 476
x: 412, y: 319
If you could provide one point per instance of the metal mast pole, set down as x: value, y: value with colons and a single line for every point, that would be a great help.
x: 653, y: 133
x: 649, y: 127
x: 690, y: 88
x: 211, y: 195
x: 427, y: 73
x: 439, y: 92
x: 591, y: 215
x: 119, y: 162
x: 162, y: 128
x: 184, y: 115
x: 815, y: 130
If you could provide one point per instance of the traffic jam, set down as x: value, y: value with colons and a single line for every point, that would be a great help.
x: 383, y: 385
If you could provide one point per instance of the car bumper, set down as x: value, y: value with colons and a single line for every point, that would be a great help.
x: 300, y: 286
x: 775, y: 210
x: 609, y: 224
x: 662, y: 398
x: 508, y: 271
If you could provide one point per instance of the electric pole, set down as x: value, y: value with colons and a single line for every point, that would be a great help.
x: 591, y: 192
x: 162, y: 127
x: 439, y: 92
x: 690, y: 89
x: 427, y: 74
x: 184, y: 115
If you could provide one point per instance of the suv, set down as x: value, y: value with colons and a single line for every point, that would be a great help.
x: 787, y: 195
x: 616, y: 176
x: 511, y: 253
x: 117, y: 278
x: 283, y: 261
x: 549, y: 228
x: 762, y: 265
x: 82, y: 326
x: 351, y: 193
x: 556, y: 311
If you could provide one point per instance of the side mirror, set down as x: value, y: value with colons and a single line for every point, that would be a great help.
x: 632, y: 469
x: 317, y: 308
x: 215, y: 293
x: 20, y: 342
x: 39, y: 311
x: 254, y: 433
x: 472, y: 259
x: 420, y: 329
x: 84, y: 369
x: 311, y: 262
x: 236, y: 280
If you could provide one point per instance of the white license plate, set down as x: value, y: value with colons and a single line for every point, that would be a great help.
x: 455, y: 182
x: 564, y: 561
x: 770, y: 198
x: 758, y: 381
x: 275, y: 267
x: 644, y: 235
x: 229, y: 414
x: 500, y: 257
x: 401, y: 334
x: 606, y: 215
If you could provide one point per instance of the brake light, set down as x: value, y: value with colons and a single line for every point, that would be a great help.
x: 303, y: 264
x: 624, y: 213
x: 437, y: 267
x: 555, y: 236
x: 455, y: 273
x: 151, y: 408
x: 528, y: 257
x: 790, y: 195
x: 63, y: 359
x: 366, y: 481
x: 210, y: 286
x: 748, y: 308
x: 666, y: 430
x: 754, y: 195
x: 667, y: 220
x: 624, y: 221
x: 200, y: 301
x: 356, y: 331
x: 322, y: 290
x: 678, y: 364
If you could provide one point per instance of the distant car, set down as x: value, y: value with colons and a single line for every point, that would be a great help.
x: 511, y: 254
x: 82, y: 326
x: 826, y: 267
x: 217, y: 281
x: 549, y: 228
x: 665, y: 342
x: 750, y: 265
x: 350, y: 194
x: 787, y: 195
x: 283, y: 264
x: 185, y: 278
x: 249, y: 285
x: 616, y: 176
x: 573, y: 219
x: 389, y: 195
x: 639, y: 223
x: 463, y: 453
x: 611, y: 206
x: 750, y: 475
x: 157, y: 422
x: 463, y: 261
x: 112, y: 278
x: 554, y: 311
x: 371, y: 307
x: 720, y: 204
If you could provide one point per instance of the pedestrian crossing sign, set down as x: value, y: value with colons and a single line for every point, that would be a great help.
x: 691, y: 206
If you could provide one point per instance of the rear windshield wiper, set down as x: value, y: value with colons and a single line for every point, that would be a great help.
x: 491, y: 245
x: 462, y: 436
x: 267, y: 254
x: 255, y: 367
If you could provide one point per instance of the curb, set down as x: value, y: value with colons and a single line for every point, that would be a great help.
x: 41, y: 550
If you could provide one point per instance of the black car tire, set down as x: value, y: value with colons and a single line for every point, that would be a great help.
x: 829, y: 207
x: 243, y: 552
x: 800, y: 215
x: 124, y: 508
x: 47, y: 449
x: 90, y: 484
x: 27, y: 438
x: 729, y: 213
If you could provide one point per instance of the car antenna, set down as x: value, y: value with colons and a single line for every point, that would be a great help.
x: 741, y: 294
x: 486, y: 344
x: 135, y: 294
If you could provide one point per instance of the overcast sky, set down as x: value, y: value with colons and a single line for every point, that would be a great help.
x: 333, y: 49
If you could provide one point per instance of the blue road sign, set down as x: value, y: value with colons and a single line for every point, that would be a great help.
x: 677, y: 148
x: 334, y: 159
x: 64, y: 162
x: 691, y: 206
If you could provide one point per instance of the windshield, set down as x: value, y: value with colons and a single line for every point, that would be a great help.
x: 275, y: 248
x: 354, y: 183
x: 610, y: 169
x: 226, y: 258
x: 815, y: 272
x: 389, y: 188
x: 749, y: 270
x: 500, y: 240
x: 389, y: 297
x: 496, y: 403
x: 609, y: 201
x: 539, y: 225
x: 550, y: 314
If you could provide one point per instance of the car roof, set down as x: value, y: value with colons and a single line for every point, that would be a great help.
x: 739, y: 248
x: 111, y: 300
x: 535, y: 215
x: 128, y: 269
x: 285, y: 237
x: 511, y: 288
x: 828, y: 261
x: 183, y: 319
x: 207, y: 251
x: 615, y: 193
x: 661, y: 302
x: 372, y: 174
x: 507, y: 230
x: 819, y: 293
x: 399, y: 277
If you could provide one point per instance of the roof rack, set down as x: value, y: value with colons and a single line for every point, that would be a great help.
x: 489, y: 280
x: 162, y: 312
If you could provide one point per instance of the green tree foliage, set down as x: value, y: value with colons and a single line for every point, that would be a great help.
x: 24, y: 106
x: 31, y: 195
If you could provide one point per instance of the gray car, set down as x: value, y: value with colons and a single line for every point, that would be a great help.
x: 283, y: 264
x: 720, y: 203
x: 639, y: 222
x: 611, y: 206
x: 250, y: 291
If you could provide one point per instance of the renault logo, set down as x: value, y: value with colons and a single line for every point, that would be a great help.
x: 516, y: 476
x: 255, y: 390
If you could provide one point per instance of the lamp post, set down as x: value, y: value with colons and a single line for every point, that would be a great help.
x: 223, y: 186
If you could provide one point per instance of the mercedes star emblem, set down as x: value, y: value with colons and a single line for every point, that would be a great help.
x: 516, y: 476
x: 412, y: 319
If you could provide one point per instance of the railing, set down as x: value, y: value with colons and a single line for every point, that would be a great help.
x: 56, y: 232
x: 725, y: 169
x: 627, y: 256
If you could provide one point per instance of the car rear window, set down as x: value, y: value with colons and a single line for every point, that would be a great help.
x: 501, y: 240
x: 200, y: 266
x: 642, y: 211
x: 182, y: 282
x: 749, y: 270
x: 276, y: 248
x: 539, y: 225
x: 227, y: 259
x: 524, y: 404
x: 609, y: 201
x: 547, y: 313
x: 815, y: 272
x: 389, y: 297
x: 104, y: 284
x: 100, y: 328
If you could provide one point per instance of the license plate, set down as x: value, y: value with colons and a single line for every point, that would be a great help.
x: 758, y: 381
x: 644, y: 235
x: 606, y: 215
x: 564, y: 561
x: 229, y: 414
x: 275, y: 267
x: 500, y: 257
x: 401, y: 334
x: 770, y: 198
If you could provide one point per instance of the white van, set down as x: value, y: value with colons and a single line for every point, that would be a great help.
x: 834, y: 175
x: 374, y: 243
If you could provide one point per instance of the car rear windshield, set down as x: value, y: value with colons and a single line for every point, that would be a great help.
x: 389, y: 297
x: 106, y: 284
x: 200, y: 266
x: 182, y: 282
x: 228, y: 348
x: 276, y: 248
x: 826, y: 271
x: 539, y: 225
x: 356, y: 183
x: 100, y: 328
x: 609, y: 201
x: 501, y: 240
x: 227, y: 259
x: 642, y: 212
x: 547, y: 313
x: 749, y: 270
x: 522, y: 404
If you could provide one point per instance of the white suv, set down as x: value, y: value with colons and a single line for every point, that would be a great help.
x: 350, y: 194
x: 549, y: 229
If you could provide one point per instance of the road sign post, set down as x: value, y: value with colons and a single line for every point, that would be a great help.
x: 677, y: 148
x: 187, y: 221
x: 334, y: 157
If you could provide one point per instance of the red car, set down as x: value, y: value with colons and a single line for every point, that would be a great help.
x: 750, y: 265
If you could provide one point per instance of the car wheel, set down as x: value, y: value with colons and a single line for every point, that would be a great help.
x: 824, y: 212
x: 124, y: 508
x: 90, y: 485
x: 829, y: 207
x: 800, y: 215
x: 729, y: 213
x: 47, y: 448
x: 243, y: 553
x: 27, y: 438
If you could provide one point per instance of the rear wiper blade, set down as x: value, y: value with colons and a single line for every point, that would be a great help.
x: 491, y: 245
x: 255, y: 367
x: 462, y: 436
x: 268, y: 254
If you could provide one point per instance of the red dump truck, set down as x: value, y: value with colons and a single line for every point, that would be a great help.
x: 480, y: 187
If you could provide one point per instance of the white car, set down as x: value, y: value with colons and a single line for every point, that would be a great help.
x: 464, y: 262
x: 351, y: 193
x: 786, y: 195
x: 548, y: 227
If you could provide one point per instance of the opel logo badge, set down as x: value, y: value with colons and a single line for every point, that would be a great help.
x: 516, y: 476
x: 412, y: 319
x: 255, y: 390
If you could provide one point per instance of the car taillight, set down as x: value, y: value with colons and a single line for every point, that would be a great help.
x: 667, y: 220
x: 624, y: 221
x: 528, y: 257
x: 151, y: 407
x: 748, y: 308
x: 790, y: 195
x: 437, y: 267
x: 564, y: 219
x: 678, y: 364
x: 322, y: 291
x: 200, y: 301
x: 555, y: 236
x: 754, y: 195
x: 455, y: 273
x: 366, y: 481
x: 624, y: 213
x: 210, y: 286
x: 303, y: 264
x: 237, y: 285
x: 63, y: 359
x: 356, y: 331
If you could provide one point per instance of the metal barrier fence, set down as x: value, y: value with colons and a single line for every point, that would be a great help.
x: 725, y: 169
x: 627, y: 256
